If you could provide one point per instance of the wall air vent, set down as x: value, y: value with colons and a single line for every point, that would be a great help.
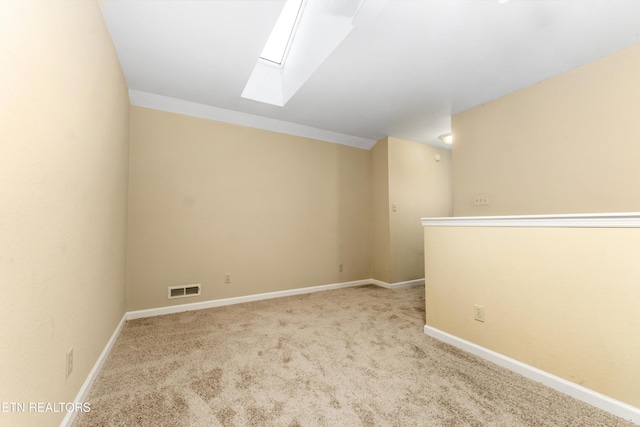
x: 183, y: 291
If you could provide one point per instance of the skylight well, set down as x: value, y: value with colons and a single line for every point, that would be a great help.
x: 282, y: 34
x: 305, y: 34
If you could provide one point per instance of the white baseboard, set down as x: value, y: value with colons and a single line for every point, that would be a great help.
x: 579, y: 392
x: 93, y: 374
x: 398, y: 284
x: 238, y: 300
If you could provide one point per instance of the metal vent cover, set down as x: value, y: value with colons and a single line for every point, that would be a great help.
x: 183, y: 291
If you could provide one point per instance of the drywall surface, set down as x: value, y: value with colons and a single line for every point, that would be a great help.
x: 273, y: 211
x: 64, y: 114
x: 419, y: 186
x: 563, y: 300
x: 381, y: 232
x: 570, y: 144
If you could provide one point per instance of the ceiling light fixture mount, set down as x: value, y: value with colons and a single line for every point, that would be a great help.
x: 447, y: 138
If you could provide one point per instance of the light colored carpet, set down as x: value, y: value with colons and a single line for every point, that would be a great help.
x: 348, y: 357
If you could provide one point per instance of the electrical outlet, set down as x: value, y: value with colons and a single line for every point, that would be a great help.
x: 478, y: 313
x: 481, y: 199
x: 69, y: 363
x: 227, y: 277
x: 340, y: 269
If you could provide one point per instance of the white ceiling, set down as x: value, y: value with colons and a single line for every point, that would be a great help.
x: 403, y: 74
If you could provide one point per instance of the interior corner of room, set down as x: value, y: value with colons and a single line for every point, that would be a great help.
x: 115, y: 205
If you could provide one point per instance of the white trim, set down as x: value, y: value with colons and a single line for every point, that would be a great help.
x: 93, y: 374
x: 238, y: 300
x: 188, y: 108
x: 599, y: 220
x: 396, y: 285
x: 579, y: 392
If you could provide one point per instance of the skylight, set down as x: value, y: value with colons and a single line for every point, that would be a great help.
x: 276, y: 47
x: 306, y: 33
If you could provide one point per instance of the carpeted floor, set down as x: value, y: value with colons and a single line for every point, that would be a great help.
x: 347, y: 357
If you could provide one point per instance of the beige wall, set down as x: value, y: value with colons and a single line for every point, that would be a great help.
x: 562, y: 300
x: 381, y: 231
x: 566, y: 145
x: 408, y: 176
x: 419, y: 186
x: 63, y: 176
x: 558, y: 299
x: 275, y: 211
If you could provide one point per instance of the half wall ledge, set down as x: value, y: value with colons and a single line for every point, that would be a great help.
x: 588, y: 220
x: 560, y: 296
